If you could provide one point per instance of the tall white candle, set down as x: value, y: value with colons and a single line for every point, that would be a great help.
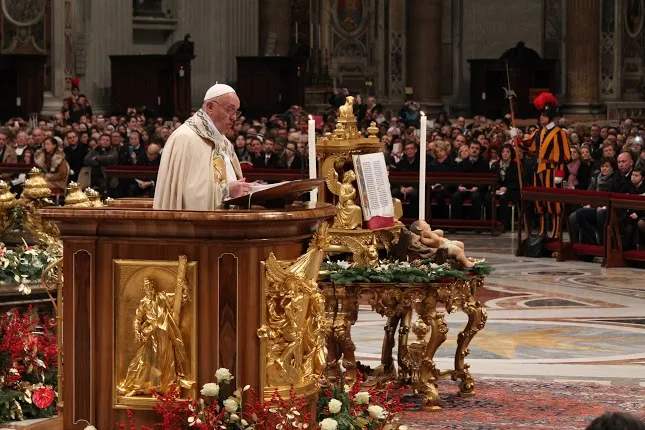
x: 312, y: 156
x: 422, y: 168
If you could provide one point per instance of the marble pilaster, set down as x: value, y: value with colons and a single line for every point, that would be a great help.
x: 397, y: 50
x: 583, y: 47
x: 275, y: 25
x: 423, y: 43
x: 53, y: 100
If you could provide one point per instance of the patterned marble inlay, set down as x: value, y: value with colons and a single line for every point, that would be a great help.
x: 546, y: 319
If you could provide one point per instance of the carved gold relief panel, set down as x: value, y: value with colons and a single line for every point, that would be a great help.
x: 155, y: 330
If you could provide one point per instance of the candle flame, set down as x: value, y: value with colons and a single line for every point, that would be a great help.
x: 422, y: 113
x: 311, y: 117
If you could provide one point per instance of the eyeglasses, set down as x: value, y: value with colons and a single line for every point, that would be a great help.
x: 230, y: 112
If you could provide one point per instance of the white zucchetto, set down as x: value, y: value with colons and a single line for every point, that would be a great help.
x: 218, y: 90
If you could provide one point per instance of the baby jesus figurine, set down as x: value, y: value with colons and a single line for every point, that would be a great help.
x: 434, y: 240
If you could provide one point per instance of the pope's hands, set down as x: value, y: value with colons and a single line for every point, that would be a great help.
x: 239, y: 188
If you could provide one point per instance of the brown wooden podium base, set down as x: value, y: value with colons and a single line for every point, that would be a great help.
x: 109, y: 252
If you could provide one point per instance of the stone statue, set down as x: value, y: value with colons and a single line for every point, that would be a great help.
x: 434, y: 240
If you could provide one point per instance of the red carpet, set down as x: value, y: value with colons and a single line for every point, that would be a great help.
x: 504, y: 404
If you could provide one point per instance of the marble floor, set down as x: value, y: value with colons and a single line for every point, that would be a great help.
x: 561, y: 321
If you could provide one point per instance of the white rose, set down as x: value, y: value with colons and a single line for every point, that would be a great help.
x: 230, y: 405
x: 90, y: 428
x: 211, y: 389
x: 223, y: 375
x: 334, y: 406
x: 234, y: 417
x: 377, y: 412
x: 328, y: 424
x: 362, y: 398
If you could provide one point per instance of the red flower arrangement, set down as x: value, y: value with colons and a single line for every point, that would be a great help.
x: 28, y: 366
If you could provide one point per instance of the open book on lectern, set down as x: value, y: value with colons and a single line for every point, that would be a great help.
x: 374, y: 190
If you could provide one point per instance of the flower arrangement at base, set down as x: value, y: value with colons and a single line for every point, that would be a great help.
x: 219, y: 408
x: 28, y: 367
x: 24, y: 264
x: 341, y: 407
x: 417, y: 271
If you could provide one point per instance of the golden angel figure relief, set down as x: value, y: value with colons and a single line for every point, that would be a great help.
x: 363, y: 255
x: 161, y: 360
x: 295, y: 326
x: 350, y: 215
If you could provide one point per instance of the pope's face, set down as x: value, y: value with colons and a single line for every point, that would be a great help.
x: 223, y: 111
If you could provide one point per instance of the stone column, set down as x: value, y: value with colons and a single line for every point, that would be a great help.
x: 53, y: 100
x: 583, y: 51
x: 275, y: 27
x: 423, y: 39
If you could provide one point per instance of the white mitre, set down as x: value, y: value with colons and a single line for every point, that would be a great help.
x: 218, y: 90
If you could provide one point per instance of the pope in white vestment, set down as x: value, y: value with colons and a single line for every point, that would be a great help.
x: 199, y: 168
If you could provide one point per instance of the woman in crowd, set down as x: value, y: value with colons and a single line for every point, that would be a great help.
x: 508, y: 182
x: 585, y: 224
x: 51, y: 160
x: 585, y: 155
x: 577, y: 173
x: 463, y: 154
x: 240, y: 148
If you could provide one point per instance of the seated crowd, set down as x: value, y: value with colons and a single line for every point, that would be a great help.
x: 77, y: 145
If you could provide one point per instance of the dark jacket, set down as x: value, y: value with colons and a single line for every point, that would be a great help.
x: 125, y: 157
x: 469, y: 166
x: 99, y: 159
x: 583, y: 176
x: 614, y: 185
x: 263, y: 162
x: 76, y: 159
x: 509, y: 177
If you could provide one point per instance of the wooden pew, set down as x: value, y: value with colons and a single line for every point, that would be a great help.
x: 144, y: 173
x: 489, y: 179
x: 14, y: 168
x: 568, y: 198
x: 150, y: 173
x: 616, y: 256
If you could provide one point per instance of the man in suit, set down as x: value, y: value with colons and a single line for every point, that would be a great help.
x: 475, y: 163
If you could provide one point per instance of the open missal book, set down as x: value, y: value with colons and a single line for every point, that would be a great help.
x: 374, y: 190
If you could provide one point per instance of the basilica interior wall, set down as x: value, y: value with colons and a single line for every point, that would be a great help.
x: 489, y: 28
x: 221, y: 30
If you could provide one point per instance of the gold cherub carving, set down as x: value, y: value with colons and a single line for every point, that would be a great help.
x: 350, y: 215
x: 363, y: 255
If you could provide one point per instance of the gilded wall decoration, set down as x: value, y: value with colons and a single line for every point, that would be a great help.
x: 23, y: 26
x: 634, y: 15
x: 350, y: 14
x: 155, y: 332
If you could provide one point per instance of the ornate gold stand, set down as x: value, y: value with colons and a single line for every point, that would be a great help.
x: 416, y: 360
x: 335, y: 151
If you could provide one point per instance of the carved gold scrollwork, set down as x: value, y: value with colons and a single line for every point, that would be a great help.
x: 416, y: 360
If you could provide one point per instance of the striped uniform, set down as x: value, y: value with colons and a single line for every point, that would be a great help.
x: 551, y: 148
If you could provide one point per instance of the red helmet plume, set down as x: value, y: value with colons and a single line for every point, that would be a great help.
x: 75, y: 82
x: 545, y: 99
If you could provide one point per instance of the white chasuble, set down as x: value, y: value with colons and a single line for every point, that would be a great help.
x: 196, y: 167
